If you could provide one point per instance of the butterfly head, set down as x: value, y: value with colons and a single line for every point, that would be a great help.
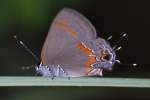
x: 105, y: 55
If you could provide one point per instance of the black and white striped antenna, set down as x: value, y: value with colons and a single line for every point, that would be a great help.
x: 26, y: 48
x: 120, y: 39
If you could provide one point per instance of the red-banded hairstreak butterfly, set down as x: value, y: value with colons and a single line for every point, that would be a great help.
x: 72, y: 48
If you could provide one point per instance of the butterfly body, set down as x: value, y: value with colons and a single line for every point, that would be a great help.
x: 72, y: 43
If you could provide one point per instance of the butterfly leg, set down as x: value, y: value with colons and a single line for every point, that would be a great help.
x: 96, y: 72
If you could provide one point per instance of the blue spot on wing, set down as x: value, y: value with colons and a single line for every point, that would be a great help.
x: 72, y: 22
x: 85, y: 59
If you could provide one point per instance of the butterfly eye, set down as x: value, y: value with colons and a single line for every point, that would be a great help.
x: 105, y: 56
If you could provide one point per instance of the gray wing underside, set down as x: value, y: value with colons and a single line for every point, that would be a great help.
x: 78, y: 22
x: 60, y: 46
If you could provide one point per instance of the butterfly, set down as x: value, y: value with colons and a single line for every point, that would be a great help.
x: 72, y: 48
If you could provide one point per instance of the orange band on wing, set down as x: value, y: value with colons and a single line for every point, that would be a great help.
x: 87, y: 52
x: 66, y: 28
x: 84, y: 49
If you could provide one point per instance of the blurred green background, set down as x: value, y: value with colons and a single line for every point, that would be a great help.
x: 30, y: 20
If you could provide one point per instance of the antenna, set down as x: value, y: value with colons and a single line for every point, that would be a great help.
x: 118, y: 62
x: 121, y: 38
x: 109, y: 38
x: 117, y: 49
x: 26, y: 48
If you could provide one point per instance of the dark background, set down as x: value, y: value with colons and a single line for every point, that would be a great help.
x: 30, y: 20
